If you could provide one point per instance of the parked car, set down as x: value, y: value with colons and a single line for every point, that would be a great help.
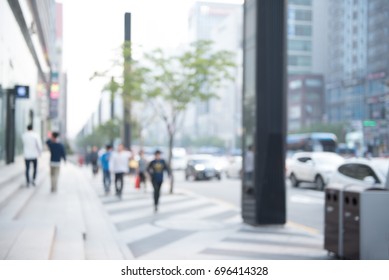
x: 234, y: 167
x: 202, y: 167
x: 362, y: 172
x: 313, y: 167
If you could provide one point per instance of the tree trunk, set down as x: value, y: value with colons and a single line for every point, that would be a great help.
x: 112, y: 105
x: 112, y: 136
x: 171, y: 144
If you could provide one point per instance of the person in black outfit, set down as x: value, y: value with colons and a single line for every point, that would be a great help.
x: 94, y: 158
x: 57, y: 151
x: 156, y: 169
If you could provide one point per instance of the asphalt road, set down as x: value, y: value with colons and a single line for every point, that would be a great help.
x: 305, y: 206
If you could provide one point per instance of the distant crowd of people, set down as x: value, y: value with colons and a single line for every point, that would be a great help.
x: 121, y: 162
x: 118, y: 162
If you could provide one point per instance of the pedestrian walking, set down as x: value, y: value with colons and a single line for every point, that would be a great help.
x: 156, y: 169
x: 94, y: 158
x: 142, y: 169
x: 57, y: 151
x: 104, y: 160
x: 118, y: 164
x: 32, y: 149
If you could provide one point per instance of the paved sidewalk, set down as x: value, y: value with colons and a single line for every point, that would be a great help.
x: 80, y: 222
x: 69, y: 224
x: 189, y: 226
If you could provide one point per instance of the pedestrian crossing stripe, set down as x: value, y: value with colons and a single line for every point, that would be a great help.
x: 150, y: 235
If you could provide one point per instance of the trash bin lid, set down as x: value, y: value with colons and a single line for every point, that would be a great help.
x: 336, y: 187
x: 360, y: 189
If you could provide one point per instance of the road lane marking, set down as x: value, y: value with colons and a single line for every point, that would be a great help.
x: 306, y: 199
x: 304, y: 227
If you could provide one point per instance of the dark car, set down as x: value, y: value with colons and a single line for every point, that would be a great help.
x: 202, y: 167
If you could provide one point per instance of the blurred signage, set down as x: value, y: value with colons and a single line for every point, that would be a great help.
x: 54, y: 90
x: 369, y: 123
x: 22, y: 91
x: 375, y: 76
x: 54, y: 95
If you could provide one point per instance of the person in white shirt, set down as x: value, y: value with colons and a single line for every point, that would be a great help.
x: 32, y: 146
x: 118, y: 164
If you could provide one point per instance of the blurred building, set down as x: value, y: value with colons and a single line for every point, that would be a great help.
x: 357, y: 83
x: 307, y: 45
x: 345, y: 88
x: 376, y: 130
x: 307, y: 61
x: 206, y: 15
x: 222, y: 23
x: 27, y: 58
x: 305, y: 101
x: 228, y: 35
x: 58, y: 92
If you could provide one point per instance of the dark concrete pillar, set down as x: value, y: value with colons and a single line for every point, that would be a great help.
x: 10, y: 127
x: 264, y: 112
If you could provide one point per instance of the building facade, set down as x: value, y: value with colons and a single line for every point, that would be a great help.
x: 307, y: 37
x: 27, y: 55
x: 377, y: 79
x: 307, y: 60
x: 357, y: 83
x: 305, y: 101
x: 345, y: 82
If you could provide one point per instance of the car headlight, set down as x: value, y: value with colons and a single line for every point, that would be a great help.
x: 199, y: 167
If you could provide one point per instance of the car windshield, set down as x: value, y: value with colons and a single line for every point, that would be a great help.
x: 328, y: 159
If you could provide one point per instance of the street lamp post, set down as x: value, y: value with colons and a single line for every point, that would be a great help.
x: 126, y: 99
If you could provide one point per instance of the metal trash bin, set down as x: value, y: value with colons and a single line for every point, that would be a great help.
x: 333, y: 219
x: 365, y: 223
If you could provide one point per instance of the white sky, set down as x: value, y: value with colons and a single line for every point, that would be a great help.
x: 94, y: 29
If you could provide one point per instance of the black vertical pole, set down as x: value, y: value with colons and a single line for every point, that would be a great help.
x: 263, y: 198
x: 10, y: 127
x: 126, y: 102
x: 127, y: 27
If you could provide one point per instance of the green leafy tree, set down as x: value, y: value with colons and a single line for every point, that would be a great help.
x: 129, y: 84
x: 178, y: 80
x: 102, y: 135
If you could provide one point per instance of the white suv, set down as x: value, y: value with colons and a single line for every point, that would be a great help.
x: 313, y: 167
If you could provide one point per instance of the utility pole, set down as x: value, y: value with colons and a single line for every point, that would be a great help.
x: 126, y: 95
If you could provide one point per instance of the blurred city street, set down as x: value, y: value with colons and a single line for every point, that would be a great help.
x: 201, y: 220
x: 260, y: 126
